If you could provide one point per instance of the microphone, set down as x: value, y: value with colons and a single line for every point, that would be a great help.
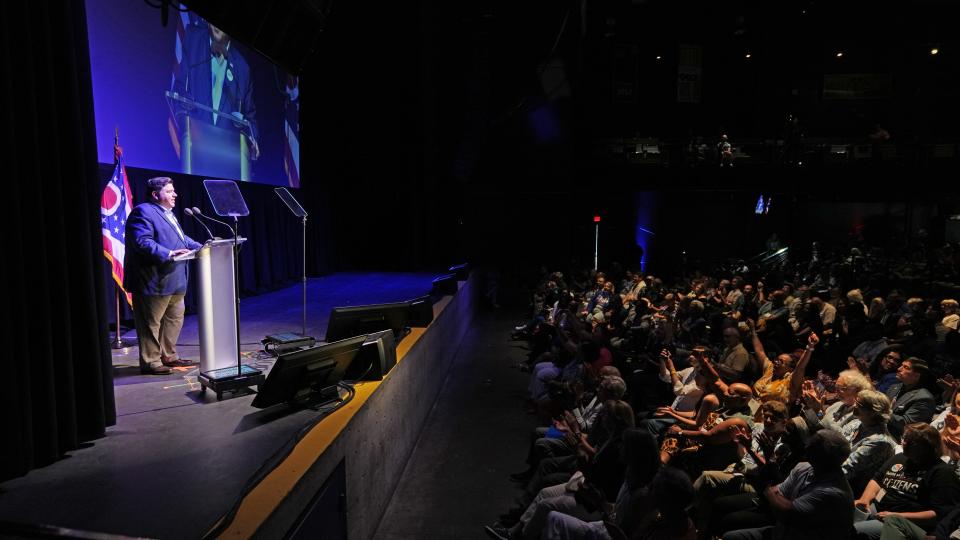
x: 190, y: 213
x: 225, y: 224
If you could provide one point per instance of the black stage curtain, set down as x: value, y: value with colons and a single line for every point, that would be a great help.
x: 57, y: 381
x: 58, y: 387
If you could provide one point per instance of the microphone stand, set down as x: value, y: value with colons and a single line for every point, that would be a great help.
x: 236, y: 286
x: 304, y: 277
x: 194, y: 215
x: 298, y: 211
x: 204, y: 216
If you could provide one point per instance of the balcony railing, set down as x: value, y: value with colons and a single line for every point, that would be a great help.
x: 810, y: 151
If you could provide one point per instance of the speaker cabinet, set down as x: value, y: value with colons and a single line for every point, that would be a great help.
x: 445, y: 285
x: 376, y: 358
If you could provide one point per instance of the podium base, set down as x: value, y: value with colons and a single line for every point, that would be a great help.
x: 229, y: 380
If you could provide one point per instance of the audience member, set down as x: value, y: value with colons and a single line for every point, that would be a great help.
x: 911, y: 401
x: 587, y: 476
x: 734, y: 359
x: 815, y: 499
x: 914, y: 485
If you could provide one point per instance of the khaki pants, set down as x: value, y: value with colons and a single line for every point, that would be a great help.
x: 158, y: 320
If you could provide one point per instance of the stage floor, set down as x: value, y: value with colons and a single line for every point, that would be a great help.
x: 176, y: 461
x: 260, y: 316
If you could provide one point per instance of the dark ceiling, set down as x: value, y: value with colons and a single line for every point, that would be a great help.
x: 620, y: 58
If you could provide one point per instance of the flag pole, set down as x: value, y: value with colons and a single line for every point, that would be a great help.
x: 118, y: 342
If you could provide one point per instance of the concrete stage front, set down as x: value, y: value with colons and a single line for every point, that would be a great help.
x: 182, y: 465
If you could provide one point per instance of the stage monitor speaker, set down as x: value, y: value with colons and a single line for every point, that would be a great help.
x: 349, y: 321
x: 421, y: 312
x: 461, y: 270
x: 376, y: 358
x: 308, y: 376
x: 445, y: 285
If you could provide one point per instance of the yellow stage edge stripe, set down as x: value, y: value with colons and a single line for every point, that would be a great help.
x: 266, y: 496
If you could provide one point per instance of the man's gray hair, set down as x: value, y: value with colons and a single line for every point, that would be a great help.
x: 875, y: 401
x: 614, y: 387
x: 856, y: 379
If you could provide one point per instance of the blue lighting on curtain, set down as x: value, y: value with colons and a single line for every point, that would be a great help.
x: 646, y: 205
x: 763, y: 205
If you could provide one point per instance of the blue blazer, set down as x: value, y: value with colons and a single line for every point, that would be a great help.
x: 148, y: 240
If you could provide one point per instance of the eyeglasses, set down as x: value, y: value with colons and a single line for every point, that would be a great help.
x: 843, y: 387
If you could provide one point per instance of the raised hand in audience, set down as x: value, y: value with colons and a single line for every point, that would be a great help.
x: 812, y: 398
x: 950, y: 434
x: 948, y: 383
x: 742, y: 436
x: 707, y: 369
x: 767, y: 443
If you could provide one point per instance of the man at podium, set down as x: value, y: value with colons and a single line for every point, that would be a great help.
x: 152, y: 238
x: 215, y: 85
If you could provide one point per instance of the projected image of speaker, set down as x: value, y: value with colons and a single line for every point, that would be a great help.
x: 361, y: 320
x: 376, y: 358
x: 445, y: 285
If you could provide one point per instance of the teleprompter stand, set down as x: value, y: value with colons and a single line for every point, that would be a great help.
x: 221, y: 368
x: 299, y: 212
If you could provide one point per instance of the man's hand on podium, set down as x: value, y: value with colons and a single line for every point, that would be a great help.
x: 178, y: 252
x: 254, y: 147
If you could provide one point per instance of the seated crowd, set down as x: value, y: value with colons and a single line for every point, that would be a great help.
x: 719, y: 408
